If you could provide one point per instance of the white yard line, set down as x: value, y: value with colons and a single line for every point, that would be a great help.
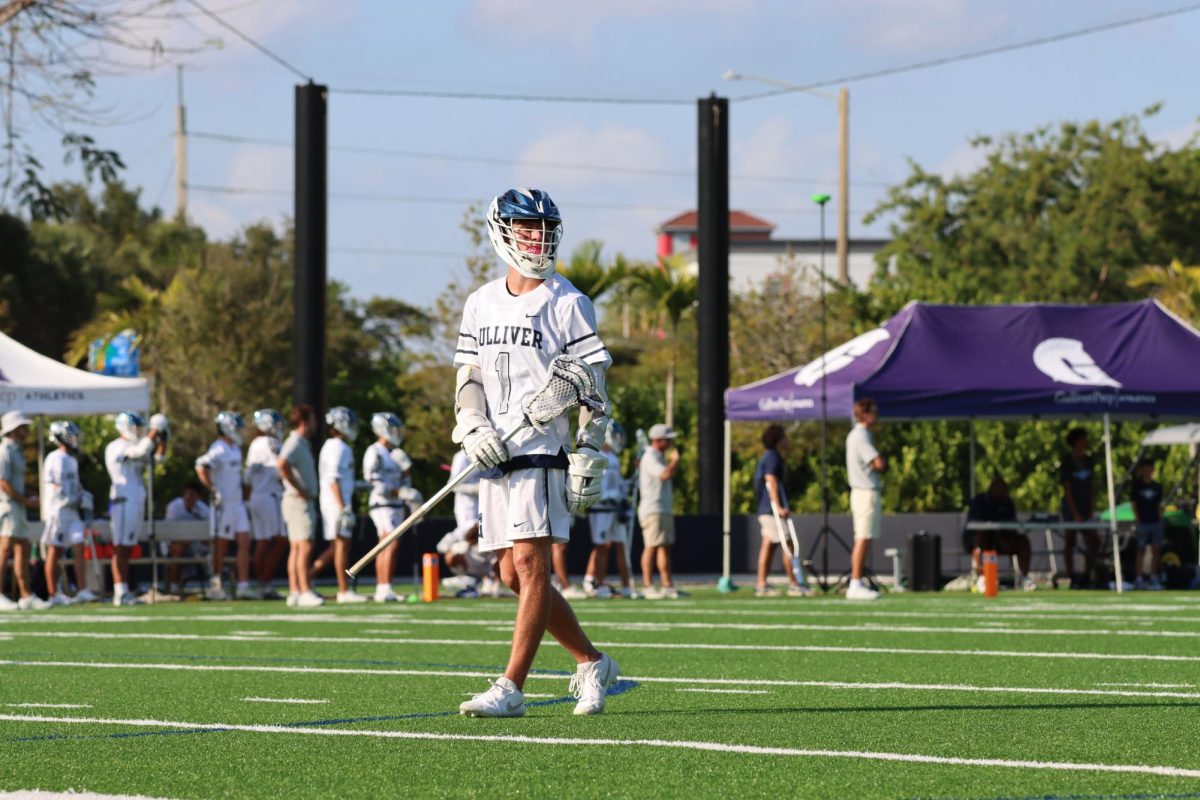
x: 292, y: 700
x: 48, y: 705
x: 738, y: 682
x: 1153, y: 685
x: 712, y: 747
x: 37, y: 794
x: 724, y: 691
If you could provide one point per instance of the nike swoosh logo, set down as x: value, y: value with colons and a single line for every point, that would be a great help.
x: 519, y: 524
x: 533, y: 316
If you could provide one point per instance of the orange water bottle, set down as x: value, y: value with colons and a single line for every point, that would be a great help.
x: 430, y: 577
x: 991, y: 574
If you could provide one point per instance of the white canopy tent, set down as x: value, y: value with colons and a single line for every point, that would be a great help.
x: 1173, y: 434
x: 35, y: 384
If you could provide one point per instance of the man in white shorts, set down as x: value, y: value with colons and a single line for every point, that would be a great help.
x: 262, y: 480
x: 126, y: 458
x: 385, y: 467
x: 609, y: 520
x: 14, y: 525
x: 298, y: 470
x: 63, y: 496
x: 220, y: 470
x: 864, y: 469
x: 512, y: 328
x: 335, y: 472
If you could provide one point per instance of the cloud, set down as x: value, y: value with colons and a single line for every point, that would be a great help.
x: 609, y: 145
x: 962, y: 161
x: 577, y: 20
x: 907, y: 26
x: 1178, y: 136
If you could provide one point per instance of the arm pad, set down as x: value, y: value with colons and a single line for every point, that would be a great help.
x: 470, y: 404
x: 593, y: 424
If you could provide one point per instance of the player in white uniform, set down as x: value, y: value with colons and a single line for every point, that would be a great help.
x: 220, y: 469
x: 125, y: 459
x: 62, y: 498
x: 460, y: 547
x: 266, y: 493
x: 512, y: 328
x: 609, y: 520
x: 385, y: 467
x: 335, y: 473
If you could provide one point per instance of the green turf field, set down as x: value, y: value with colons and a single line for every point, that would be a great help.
x: 1050, y: 694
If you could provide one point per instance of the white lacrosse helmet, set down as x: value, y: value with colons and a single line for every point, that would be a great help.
x: 231, y: 424
x: 130, y: 425
x: 344, y: 421
x: 269, y: 421
x: 387, y: 425
x: 531, y: 248
x: 65, y: 432
x: 614, y: 436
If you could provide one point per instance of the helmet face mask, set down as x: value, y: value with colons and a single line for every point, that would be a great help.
x: 269, y: 421
x: 389, y: 427
x: 65, y: 433
x: 525, y: 228
x: 130, y: 426
x: 231, y: 425
x: 344, y: 421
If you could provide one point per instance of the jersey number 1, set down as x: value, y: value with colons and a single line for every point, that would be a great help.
x: 502, y: 370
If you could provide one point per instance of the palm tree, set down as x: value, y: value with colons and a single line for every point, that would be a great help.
x: 1177, y: 287
x: 671, y: 289
x: 587, y: 272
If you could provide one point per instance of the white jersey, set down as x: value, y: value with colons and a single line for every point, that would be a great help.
x: 61, y: 477
x: 612, y: 485
x: 125, y: 461
x: 466, y: 494
x: 262, y: 471
x: 384, y: 474
x: 335, y: 465
x: 177, y: 509
x: 512, y: 340
x: 225, y: 462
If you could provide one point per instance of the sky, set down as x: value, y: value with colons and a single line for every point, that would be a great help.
x: 394, y: 224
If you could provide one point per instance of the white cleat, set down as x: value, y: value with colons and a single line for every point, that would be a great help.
x: 573, y: 592
x: 7, y: 603
x: 215, y: 593
x: 861, y: 592
x: 127, y: 599
x: 652, y: 593
x: 590, y: 684
x: 309, y: 599
x: 628, y: 593
x: 32, y: 603
x: 247, y: 593
x: 60, y: 599
x: 85, y: 595
x: 293, y: 599
x: 388, y: 597
x: 502, y: 699
x: 604, y: 592
x: 351, y: 597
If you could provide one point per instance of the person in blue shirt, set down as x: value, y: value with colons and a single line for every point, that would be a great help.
x: 770, y: 498
x: 1147, y: 495
x: 1077, y: 474
x: 996, y: 505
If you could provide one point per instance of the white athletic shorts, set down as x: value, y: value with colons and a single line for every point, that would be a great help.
x: 332, y: 524
x: 63, y: 530
x: 524, y: 504
x: 387, y: 518
x: 606, y: 528
x: 13, y: 521
x: 866, y: 507
x: 125, y: 521
x: 231, y: 519
x: 266, y: 516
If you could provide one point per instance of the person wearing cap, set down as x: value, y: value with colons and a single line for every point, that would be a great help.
x: 14, y: 525
x: 655, y: 472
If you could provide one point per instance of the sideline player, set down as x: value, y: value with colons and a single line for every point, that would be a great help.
x: 460, y: 547
x: 188, y: 506
x: 609, y: 520
x: 125, y: 458
x: 385, y: 466
x: 335, y: 472
x: 14, y: 522
x: 63, y: 497
x: 220, y: 470
x: 512, y: 328
x: 266, y: 491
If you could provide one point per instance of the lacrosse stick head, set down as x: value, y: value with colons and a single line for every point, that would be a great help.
x: 571, y: 384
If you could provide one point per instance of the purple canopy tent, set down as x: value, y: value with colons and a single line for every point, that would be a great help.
x: 1012, y: 361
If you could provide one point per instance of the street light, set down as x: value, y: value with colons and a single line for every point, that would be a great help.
x: 843, y: 209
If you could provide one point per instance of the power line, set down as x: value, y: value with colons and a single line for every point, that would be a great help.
x: 1007, y: 48
x: 261, y: 48
x: 461, y: 201
x: 529, y: 98
x: 388, y: 251
x: 459, y: 158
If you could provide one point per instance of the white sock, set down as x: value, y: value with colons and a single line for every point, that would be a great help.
x: 120, y: 589
x: 215, y: 582
x: 507, y: 684
x: 856, y: 583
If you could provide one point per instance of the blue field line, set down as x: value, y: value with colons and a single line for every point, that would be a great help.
x: 622, y: 686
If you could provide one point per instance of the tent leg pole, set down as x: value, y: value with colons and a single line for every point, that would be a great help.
x: 726, y: 583
x: 971, y: 459
x: 1112, y: 503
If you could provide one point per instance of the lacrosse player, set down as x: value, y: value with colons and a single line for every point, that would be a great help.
x: 62, y: 500
x: 220, y: 470
x: 335, y: 471
x: 126, y: 458
x: 512, y: 328
x: 609, y: 520
x: 385, y: 466
x: 14, y: 503
x: 262, y: 480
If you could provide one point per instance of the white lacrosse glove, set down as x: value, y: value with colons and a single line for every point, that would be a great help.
x: 484, y: 447
x: 583, y: 480
x: 346, y: 520
x: 410, y: 495
x: 215, y: 496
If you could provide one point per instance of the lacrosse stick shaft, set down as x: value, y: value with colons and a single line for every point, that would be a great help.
x: 797, y: 565
x: 416, y: 516
x: 791, y: 548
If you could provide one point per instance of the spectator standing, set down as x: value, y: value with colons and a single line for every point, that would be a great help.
x: 298, y: 470
x: 14, y: 524
x: 655, y: 473
x: 1077, y: 474
x: 864, y: 469
x: 771, y: 499
x: 1147, y: 495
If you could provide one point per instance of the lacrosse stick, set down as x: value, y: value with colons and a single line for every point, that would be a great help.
x: 570, y: 384
x: 640, y: 449
x: 790, y: 543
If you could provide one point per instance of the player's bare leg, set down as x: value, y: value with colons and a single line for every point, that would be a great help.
x: 648, y: 567
x: 618, y: 550
x: 383, y: 565
x: 341, y: 562
x: 664, y: 566
x: 243, y: 557
x: 220, y: 548
x: 52, y: 555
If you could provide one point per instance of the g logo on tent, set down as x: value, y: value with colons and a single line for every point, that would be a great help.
x: 1065, y: 361
x: 840, y: 357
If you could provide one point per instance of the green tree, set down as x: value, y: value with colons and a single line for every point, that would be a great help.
x: 1175, y: 286
x: 670, y: 290
x: 588, y: 273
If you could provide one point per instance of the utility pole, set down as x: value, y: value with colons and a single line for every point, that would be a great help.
x: 312, y: 192
x: 180, y: 151
x: 843, y: 195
